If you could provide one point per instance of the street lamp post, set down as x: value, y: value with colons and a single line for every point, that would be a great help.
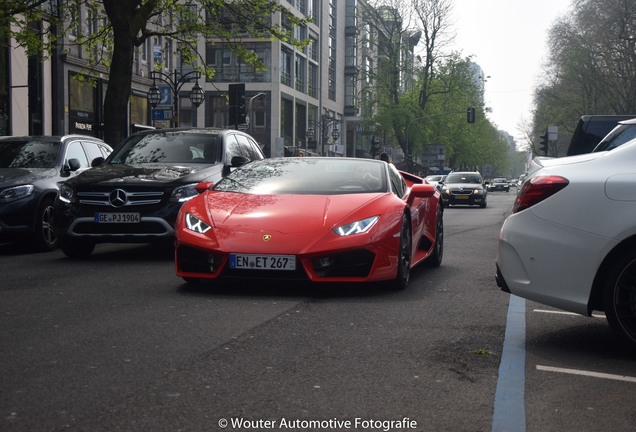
x: 249, y: 110
x: 326, y: 123
x: 196, y: 94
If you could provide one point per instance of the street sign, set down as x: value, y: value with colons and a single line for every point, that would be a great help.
x: 162, y: 114
x: 553, y: 132
x: 166, y: 96
x: 156, y: 52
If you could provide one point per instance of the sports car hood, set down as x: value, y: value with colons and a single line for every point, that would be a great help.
x: 16, y: 176
x: 147, y: 173
x: 284, y: 213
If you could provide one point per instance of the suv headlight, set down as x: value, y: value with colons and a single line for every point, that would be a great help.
x: 184, y: 193
x: 67, y: 194
x: 15, y: 193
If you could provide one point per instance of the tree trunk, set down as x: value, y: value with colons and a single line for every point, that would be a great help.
x: 121, y: 14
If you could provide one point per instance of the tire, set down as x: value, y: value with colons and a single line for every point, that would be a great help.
x: 44, y: 238
x: 619, y: 296
x: 404, y: 256
x: 77, y: 248
x: 435, y: 259
x: 483, y: 204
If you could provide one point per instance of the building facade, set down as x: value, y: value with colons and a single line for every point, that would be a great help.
x: 305, y: 102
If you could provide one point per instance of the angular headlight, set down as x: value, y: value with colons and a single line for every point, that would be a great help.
x: 67, y: 194
x: 195, y: 224
x: 15, y: 193
x: 357, y: 227
x: 184, y: 193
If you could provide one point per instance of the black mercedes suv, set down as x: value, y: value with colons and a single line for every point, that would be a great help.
x: 135, y: 194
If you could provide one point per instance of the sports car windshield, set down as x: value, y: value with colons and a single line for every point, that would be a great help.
x: 307, y: 176
x: 168, y: 147
x: 28, y: 154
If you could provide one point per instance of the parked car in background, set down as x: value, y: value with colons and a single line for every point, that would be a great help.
x: 624, y: 132
x: 590, y: 130
x: 435, y: 180
x: 570, y: 241
x: 135, y: 195
x: 320, y: 219
x: 466, y: 188
x: 30, y: 169
x: 499, y: 184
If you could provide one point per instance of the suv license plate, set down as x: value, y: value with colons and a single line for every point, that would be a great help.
x: 117, y: 218
x: 262, y: 262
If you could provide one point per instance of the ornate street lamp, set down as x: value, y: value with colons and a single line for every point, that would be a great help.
x: 335, y: 134
x: 196, y: 95
x: 154, y: 95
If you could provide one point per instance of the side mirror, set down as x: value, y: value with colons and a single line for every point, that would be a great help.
x: 203, y: 186
x: 238, y: 161
x: 97, y: 162
x: 421, y: 190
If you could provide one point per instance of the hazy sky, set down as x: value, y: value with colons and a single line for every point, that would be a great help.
x: 507, y: 38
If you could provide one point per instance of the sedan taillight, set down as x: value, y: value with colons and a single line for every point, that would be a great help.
x: 537, y: 189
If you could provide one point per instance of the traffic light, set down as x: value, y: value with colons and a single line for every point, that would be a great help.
x: 470, y: 115
x: 237, y: 104
x: 543, y: 144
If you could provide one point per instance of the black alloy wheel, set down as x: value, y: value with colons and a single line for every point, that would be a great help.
x: 404, y: 256
x: 44, y: 238
x: 620, y: 297
x: 435, y: 259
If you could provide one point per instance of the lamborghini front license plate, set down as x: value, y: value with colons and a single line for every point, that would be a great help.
x: 262, y: 262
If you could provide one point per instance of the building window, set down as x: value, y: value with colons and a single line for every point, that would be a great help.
x: 230, y: 68
x: 286, y: 67
x: 350, y: 90
x: 312, y: 89
x: 301, y: 74
x: 331, y: 83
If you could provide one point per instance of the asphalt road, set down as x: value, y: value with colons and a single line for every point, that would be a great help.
x: 117, y: 342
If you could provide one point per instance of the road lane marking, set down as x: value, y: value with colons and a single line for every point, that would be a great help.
x: 510, y: 413
x: 587, y: 373
x: 558, y: 312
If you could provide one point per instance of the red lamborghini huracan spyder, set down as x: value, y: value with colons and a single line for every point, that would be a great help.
x: 318, y: 219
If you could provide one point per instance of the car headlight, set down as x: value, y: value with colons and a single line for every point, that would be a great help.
x: 357, y: 227
x: 184, y: 193
x: 195, y: 224
x: 67, y: 194
x: 15, y: 193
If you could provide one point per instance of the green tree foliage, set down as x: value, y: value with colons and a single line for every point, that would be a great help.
x: 418, y: 100
x: 130, y: 23
x: 592, y: 65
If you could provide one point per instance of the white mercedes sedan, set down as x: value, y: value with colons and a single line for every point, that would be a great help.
x: 570, y: 241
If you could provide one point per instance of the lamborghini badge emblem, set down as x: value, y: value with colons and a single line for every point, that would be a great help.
x: 266, y: 237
